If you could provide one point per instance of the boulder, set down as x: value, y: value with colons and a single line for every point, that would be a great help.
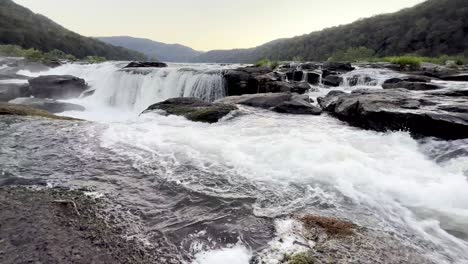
x: 422, y: 114
x: 298, y: 105
x: 10, y: 91
x: 24, y: 110
x: 146, y: 64
x: 332, y: 80
x: 57, y: 86
x: 48, y: 105
x: 193, y: 109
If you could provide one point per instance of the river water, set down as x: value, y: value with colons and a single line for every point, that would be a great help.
x: 226, y: 192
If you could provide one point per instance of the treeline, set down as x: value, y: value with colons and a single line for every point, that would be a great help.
x: 430, y: 29
x: 50, y: 57
x: 19, y: 26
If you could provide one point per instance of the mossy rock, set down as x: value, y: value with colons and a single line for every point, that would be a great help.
x: 24, y: 110
x: 302, y: 258
x: 193, y: 109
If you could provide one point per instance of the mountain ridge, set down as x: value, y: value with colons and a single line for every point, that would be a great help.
x: 431, y: 28
x: 20, y: 26
x: 154, y: 49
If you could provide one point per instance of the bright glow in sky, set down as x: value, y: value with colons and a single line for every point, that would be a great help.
x: 208, y: 24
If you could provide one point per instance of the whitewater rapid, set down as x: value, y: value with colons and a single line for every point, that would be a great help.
x: 284, y: 164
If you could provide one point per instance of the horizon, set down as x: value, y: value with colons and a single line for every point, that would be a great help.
x: 230, y: 23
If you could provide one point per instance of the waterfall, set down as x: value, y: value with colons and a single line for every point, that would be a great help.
x: 136, y: 89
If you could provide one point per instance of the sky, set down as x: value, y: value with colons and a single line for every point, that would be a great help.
x: 208, y: 24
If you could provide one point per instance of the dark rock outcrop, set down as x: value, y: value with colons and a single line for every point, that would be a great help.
x: 48, y: 105
x: 332, y: 80
x: 57, y: 86
x: 415, y: 86
x: 253, y: 80
x: 338, y: 67
x: 10, y: 91
x: 423, y: 114
x: 193, y: 109
x: 146, y: 64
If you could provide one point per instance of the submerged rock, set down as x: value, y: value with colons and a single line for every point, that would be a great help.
x: 142, y: 64
x: 423, y: 114
x: 24, y: 110
x: 57, y: 86
x: 10, y: 91
x: 193, y: 109
x: 48, y: 105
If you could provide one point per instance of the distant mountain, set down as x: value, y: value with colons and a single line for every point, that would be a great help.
x: 432, y: 28
x: 20, y: 26
x: 154, y: 49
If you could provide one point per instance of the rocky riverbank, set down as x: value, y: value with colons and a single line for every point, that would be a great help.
x: 62, y: 226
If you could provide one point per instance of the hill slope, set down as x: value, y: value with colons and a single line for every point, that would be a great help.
x: 154, y: 49
x: 432, y: 28
x: 20, y: 26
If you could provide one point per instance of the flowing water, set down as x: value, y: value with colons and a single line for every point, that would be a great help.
x: 225, y: 192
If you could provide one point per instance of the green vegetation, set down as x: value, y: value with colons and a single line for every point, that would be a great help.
x: 35, y: 55
x: 430, y: 29
x: 19, y: 26
x: 267, y: 63
x: 405, y: 61
x: 354, y: 54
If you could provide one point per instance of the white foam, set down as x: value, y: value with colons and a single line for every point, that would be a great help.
x: 234, y: 255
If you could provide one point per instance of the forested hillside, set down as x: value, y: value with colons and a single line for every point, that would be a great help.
x: 153, y: 49
x: 432, y: 28
x: 20, y: 26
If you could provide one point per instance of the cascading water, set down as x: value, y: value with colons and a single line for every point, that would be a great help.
x: 136, y: 89
x: 226, y: 191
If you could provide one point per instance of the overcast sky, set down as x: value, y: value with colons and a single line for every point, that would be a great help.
x: 208, y: 24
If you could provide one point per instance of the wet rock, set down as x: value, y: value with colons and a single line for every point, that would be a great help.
x: 10, y: 91
x: 310, y: 66
x: 313, y: 77
x: 48, y: 105
x: 88, y: 93
x: 422, y: 114
x: 193, y: 109
x: 265, y: 100
x: 332, y: 80
x: 415, y: 86
x: 24, y: 110
x: 361, y: 80
x: 298, y: 106
x: 57, y: 86
x: 146, y: 64
x: 455, y: 77
x: 331, y: 97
